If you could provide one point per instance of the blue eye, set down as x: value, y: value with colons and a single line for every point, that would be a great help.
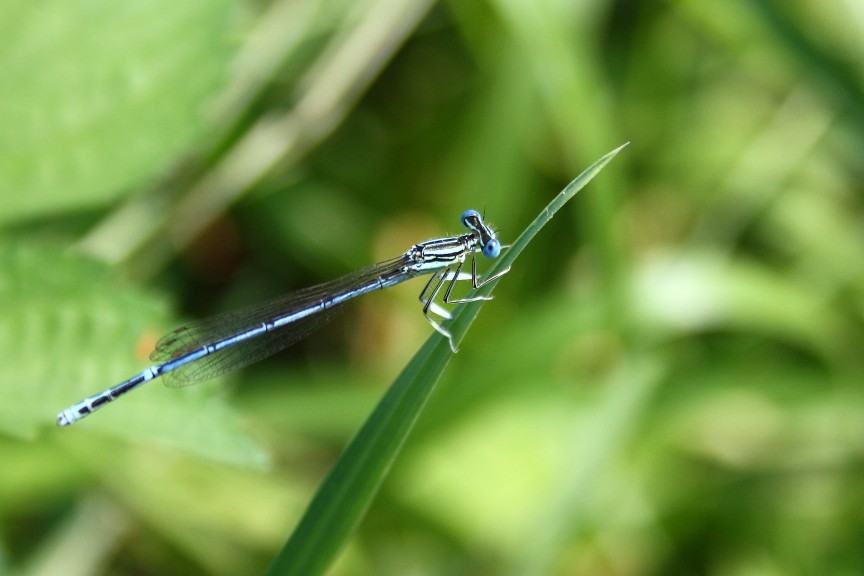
x: 470, y: 215
x: 492, y: 248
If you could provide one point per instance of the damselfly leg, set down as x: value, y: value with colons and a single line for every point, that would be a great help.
x: 450, y: 276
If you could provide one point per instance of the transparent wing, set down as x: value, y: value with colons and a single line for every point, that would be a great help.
x: 196, y: 335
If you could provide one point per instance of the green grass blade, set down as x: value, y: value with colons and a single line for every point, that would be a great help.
x: 346, y: 493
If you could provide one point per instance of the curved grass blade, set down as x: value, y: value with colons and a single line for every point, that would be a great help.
x: 345, y: 495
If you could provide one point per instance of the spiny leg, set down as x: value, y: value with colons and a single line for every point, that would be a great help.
x: 476, y: 282
x: 451, y: 277
x: 428, y: 300
x: 488, y: 279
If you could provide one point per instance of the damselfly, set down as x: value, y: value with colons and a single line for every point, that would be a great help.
x: 205, y: 349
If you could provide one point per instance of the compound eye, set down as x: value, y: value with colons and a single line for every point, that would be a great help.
x: 470, y: 218
x: 492, y: 248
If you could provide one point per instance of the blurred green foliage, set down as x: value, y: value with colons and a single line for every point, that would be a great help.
x: 669, y: 380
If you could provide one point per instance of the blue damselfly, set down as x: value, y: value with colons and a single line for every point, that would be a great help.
x: 207, y: 348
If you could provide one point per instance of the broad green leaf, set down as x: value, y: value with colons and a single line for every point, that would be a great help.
x: 99, y: 95
x: 68, y: 330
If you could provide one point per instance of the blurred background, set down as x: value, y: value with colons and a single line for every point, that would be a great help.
x: 668, y: 381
